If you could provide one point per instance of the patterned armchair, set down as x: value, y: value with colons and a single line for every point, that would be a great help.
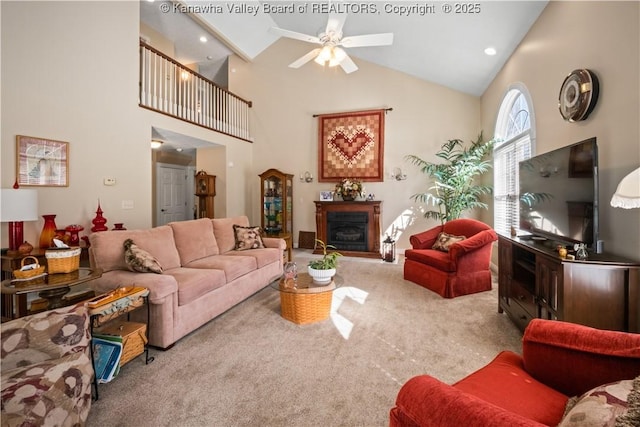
x: 46, y: 368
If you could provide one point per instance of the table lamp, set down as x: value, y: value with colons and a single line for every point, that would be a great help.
x: 17, y: 206
x: 627, y: 195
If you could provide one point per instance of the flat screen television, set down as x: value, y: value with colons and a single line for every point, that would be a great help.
x: 558, y: 194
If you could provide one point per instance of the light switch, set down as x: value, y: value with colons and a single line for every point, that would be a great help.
x: 127, y: 204
x: 109, y: 181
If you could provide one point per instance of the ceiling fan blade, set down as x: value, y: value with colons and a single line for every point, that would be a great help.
x: 383, y: 39
x: 335, y: 23
x: 294, y: 35
x: 348, y: 65
x: 306, y: 58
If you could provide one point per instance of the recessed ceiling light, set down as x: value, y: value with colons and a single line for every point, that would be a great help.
x: 209, y: 57
x: 490, y: 51
x: 203, y: 39
x: 179, y: 149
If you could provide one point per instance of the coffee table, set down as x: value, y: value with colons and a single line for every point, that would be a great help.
x: 305, y: 302
x: 52, y: 287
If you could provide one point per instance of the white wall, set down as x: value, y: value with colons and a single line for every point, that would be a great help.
x: 602, y: 36
x: 70, y: 73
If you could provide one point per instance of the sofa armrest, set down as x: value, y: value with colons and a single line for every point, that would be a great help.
x: 426, y: 239
x: 25, y: 341
x: 274, y: 242
x: 574, y: 358
x: 473, y: 243
x: 428, y: 402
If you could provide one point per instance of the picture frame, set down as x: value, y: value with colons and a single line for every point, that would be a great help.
x: 41, y: 162
x: 326, y: 196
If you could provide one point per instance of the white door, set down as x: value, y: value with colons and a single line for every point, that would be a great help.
x: 171, y: 189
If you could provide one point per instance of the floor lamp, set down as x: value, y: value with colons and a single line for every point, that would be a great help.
x: 627, y: 195
x: 17, y: 206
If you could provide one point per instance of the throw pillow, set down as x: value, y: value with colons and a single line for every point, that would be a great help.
x: 445, y: 240
x: 139, y: 260
x: 600, y: 406
x: 247, y: 238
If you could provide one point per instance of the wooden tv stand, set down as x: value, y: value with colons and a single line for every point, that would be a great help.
x: 534, y: 282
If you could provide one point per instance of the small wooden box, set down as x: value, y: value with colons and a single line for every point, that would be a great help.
x: 134, y: 337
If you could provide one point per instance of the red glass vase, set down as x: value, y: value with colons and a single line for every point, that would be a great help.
x: 48, y: 231
x: 99, y: 221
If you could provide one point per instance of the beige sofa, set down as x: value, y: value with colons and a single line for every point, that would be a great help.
x: 203, y: 275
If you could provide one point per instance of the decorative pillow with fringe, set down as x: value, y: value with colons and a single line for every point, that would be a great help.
x: 445, y: 240
x: 247, y: 237
x: 615, y: 404
x: 139, y: 260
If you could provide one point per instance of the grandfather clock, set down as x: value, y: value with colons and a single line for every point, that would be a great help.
x: 205, y: 191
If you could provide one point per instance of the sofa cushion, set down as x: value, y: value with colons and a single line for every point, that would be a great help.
x: 601, y: 406
x: 233, y: 266
x: 247, y: 238
x: 194, y: 283
x: 108, y: 251
x: 223, y: 230
x: 263, y: 256
x: 194, y: 239
x: 445, y: 240
x: 505, y: 383
x: 437, y: 259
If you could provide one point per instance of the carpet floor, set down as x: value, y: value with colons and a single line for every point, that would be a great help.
x: 251, y: 367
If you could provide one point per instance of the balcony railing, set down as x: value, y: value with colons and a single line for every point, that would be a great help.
x: 170, y: 88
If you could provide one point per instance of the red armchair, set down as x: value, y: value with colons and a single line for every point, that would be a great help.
x: 461, y: 271
x: 559, y: 360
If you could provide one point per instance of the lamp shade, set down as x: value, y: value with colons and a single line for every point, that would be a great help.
x: 627, y: 195
x: 18, y: 205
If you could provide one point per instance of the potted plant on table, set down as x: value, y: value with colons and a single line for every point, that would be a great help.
x: 322, y: 270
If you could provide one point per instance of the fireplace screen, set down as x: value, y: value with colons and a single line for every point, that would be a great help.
x: 348, y: 231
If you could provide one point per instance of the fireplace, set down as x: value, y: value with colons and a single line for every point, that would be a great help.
x: 352, y: 227
x: 348, y: 231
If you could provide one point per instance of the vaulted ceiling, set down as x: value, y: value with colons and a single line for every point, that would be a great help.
x: 441, y: 42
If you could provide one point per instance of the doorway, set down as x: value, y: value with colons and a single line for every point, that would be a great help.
x: 173, y: 184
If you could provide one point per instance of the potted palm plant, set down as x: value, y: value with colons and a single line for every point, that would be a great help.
x: 453, y: 187
x: 322, y: 270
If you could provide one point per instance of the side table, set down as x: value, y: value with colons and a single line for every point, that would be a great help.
x: 11, y: 262
x: 305, y: 302
x: 51, y: 287
x: 106, y: 314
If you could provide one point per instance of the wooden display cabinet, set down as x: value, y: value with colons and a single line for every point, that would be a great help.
x: 534, y: 282
x: 205, y: 191
x: 276, y: 195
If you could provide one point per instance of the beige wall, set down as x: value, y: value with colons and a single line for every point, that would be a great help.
x: 73, y: 77
x: 284, y: 101
x: 604, y: 37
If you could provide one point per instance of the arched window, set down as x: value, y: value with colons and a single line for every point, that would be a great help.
x: 515, y: 136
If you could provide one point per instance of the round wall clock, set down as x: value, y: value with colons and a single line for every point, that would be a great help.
x: 578, y: 95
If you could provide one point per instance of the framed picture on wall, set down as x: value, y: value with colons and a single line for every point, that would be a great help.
x: 42, y: 162
x: 326, y: 196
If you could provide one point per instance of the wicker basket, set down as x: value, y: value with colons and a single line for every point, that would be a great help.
x: 63, y: 260
x: 305, y: 308
x: 134, y: 338
x: 27, y: 274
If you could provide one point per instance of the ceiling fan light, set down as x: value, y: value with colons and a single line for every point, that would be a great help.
x: 326, y: 53
x: 319, y: 60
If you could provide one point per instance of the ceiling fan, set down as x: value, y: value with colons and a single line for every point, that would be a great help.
x: 331, y: 40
